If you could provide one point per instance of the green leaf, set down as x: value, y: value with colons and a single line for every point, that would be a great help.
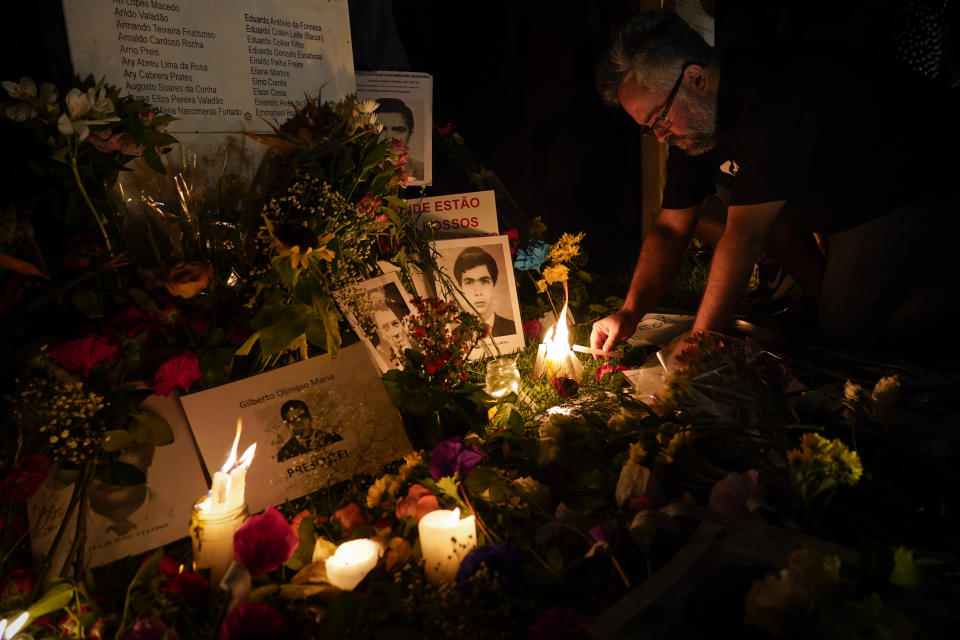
x: 116, y: 440
x: 153, y: 161
x: 122, y: 474
x: 149, y: 427
x: 56, y: 597
x: 147, y: 571
x: 304, y: 553
x: 486, y: 479
x: 143, y: 300
x: 279, y: 325
x: 88, y: 303
x: 598, y: 308
x: 246, y: 346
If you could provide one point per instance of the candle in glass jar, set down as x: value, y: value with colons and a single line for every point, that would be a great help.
x: 351, y: 562
x: 445, y: 539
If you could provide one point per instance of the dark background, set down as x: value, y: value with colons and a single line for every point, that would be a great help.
x: 516, y: 79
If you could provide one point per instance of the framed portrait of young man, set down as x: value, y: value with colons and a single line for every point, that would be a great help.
x: 479, y: 276
x: 384, y: 305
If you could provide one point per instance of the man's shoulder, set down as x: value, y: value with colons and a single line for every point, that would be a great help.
x: 502, y: 326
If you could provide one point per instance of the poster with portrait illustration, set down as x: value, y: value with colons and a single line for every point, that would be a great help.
x: 315, y: 422
x: 406, y: 113
x: 378, y: 314
x: 123, y: 520
x: 478, y: 274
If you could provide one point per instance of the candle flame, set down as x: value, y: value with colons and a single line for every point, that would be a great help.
x: 557, y: 338
x: 247, y: 458
x: 232, y: 458
x: 454, y: 517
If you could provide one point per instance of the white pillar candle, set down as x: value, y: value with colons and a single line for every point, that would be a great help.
x: 351, y: 562
x: 212, y: 535
x: 445, y: 540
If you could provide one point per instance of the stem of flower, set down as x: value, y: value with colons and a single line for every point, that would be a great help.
x: 48, y: 557
x: 466, y: 499
x: 86, y: 198
x: 75, y: 554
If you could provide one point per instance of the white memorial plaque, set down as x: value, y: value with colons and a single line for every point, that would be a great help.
x: 315, y: 422
x: 458, y: 215
x: 218, y: 66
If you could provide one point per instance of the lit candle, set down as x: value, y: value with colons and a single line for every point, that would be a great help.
x: 217, y: 515
x: 445, y: 540
x: 351, y: 562
x: 555, y: 358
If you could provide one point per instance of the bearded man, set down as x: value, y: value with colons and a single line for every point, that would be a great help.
x: 767, y: 148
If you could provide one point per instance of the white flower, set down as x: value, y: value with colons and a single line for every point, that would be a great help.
x: 367, y: 106
x: 635, y: 481
x: 886, y: 391
x: 31, y: 102
x: 80, y: 104
x: 852, y: 392
x: 533, y: 489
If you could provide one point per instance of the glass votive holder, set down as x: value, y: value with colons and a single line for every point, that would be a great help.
x: 503, y: 377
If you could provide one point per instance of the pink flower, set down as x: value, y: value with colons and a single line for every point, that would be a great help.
x: 253, y: 621
x: 106, y: 141
x: 418, y: 503
x: 350, y: 516
x: 514, y: 238
x: 368, y: 205
x: 181, y: 371
x: 81, y: 355
x: 609, y: 368
x: 149, y: 629
x: 532, y: 329
x: 25, y: 479
x: 738, y: 495
x: 189, y: 587
x: 264, y: 542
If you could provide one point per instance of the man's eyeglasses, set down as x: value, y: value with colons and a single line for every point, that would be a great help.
x: 661, y: 125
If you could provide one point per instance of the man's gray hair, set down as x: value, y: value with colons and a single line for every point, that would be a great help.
x: 651, y: 47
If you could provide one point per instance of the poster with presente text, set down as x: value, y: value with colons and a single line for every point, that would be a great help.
x: 406, y: 113
x: 315, y: 422
x: 217, y: 66
x: 457, y: 215
x: 126, y: 519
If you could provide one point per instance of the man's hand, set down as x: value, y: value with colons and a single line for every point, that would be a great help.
x: 608, y: 332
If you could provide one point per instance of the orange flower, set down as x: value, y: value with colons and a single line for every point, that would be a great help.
x: 187, y: 279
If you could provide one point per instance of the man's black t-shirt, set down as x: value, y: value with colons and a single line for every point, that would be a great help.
x: 821, y: 126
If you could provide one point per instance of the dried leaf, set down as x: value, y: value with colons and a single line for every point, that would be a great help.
x: 315, y: 572
x: 20, y: 266
x: 397, y: 555
x: 301, y: 591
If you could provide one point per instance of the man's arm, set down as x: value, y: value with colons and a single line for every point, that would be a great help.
x: 660, y: 258
x: 743, y: 237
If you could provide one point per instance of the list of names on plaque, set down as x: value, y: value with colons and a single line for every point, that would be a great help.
x: 215, y: 67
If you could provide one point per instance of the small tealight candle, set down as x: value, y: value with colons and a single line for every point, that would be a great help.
x: 351, y: 563
x: 445, y: 540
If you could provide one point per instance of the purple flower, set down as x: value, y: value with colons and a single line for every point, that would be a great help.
x: 604, y: 532
x: 450, y: 458
x: 498, y: 558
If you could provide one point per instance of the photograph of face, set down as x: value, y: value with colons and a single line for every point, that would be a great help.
x: 305, y: 434
x: 399, y: 123
x: 386, y: 306
x: 480, y: 275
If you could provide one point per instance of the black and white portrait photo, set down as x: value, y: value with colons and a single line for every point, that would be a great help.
x: 384, y: 308
x: 480, y: 272
x: 306, y: 432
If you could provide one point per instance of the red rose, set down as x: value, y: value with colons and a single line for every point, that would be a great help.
x: 264, y: 542
x: 133, y: 321
x: 168, y: 566
x: 638, y: 504
x: 609, y: 368
x: 447, y: 129
x: 513, y: 238
x: 566, y: 387
x: 418, y: 503
x: 350, y: 516
x: 253, y: 621
x: 25, y: 479
x: 189, y: 587
x: 79, y: 356
x: 187, y: 279
x: 532, y: 328
x: 181, y: 371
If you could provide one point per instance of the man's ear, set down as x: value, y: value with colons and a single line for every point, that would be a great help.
x: 698, y: 80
